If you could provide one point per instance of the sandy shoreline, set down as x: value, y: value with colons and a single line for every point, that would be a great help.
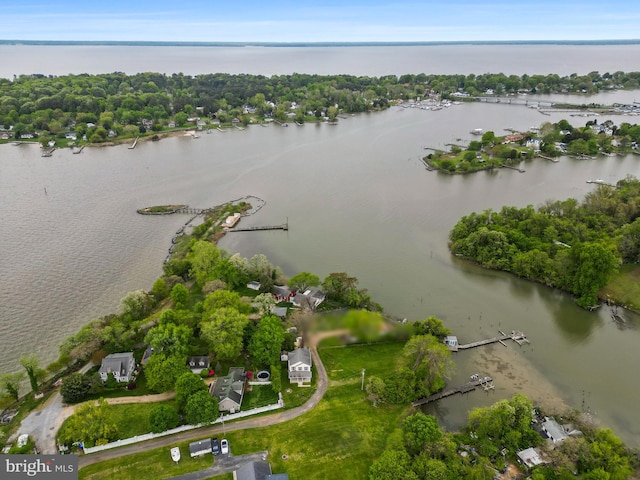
x: 512, y: 373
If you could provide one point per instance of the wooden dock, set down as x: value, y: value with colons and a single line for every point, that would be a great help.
x: 513, y: 168
x: 520, y: 338
x: 79, y: 150
x: 485, y: 382
x: 133, y: 145
x: 284, y: 226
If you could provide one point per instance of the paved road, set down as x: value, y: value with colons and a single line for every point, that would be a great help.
x: 191, y: 435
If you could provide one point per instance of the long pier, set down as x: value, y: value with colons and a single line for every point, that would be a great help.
x: 133, y: 145
x: 485, y: 382
x: 76, y: 152
x: 284, y: 226
x: 520, y: 338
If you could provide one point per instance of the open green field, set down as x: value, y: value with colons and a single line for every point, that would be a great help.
x: 624, y: 287
x: 338, y: 439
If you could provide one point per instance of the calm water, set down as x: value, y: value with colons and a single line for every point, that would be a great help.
x: 358, y: 200
x: 443, y: 59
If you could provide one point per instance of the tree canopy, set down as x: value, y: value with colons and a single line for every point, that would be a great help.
x: 571, y: 246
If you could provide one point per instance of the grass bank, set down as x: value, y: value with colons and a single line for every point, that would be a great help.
x: 344, y: 433
x: 624, y: 287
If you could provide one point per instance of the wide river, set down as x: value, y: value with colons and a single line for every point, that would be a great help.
x: 357, y: 199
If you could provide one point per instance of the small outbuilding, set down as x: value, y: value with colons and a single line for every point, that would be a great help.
x: 199, y: 448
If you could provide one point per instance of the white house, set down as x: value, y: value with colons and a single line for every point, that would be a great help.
x: 530, y: 457
x: 122, y: 365
x: 299, y: 366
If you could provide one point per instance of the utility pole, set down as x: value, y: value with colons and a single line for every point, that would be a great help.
x: 362, y: 387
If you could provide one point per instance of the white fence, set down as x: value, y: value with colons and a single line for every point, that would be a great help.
x: 183, y: 428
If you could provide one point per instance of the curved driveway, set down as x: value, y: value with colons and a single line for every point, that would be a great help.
x: 264, y: 421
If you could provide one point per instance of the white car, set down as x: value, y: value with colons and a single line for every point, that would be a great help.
x: 224, y: 446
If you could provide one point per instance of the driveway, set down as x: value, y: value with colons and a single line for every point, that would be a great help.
x: 43, y: 424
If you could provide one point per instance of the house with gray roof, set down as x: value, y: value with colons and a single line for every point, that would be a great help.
x: 309, y: 299
x: 122, y: 365
x: 257, y: 470
x: 553, y: 430
x: 530, y: 457
x: 299, y: 366
x: 229, y: 390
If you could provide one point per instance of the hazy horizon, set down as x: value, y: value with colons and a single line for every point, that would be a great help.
x: 341, y: 21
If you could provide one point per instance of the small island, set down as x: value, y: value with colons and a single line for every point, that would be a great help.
x: 161, y: 209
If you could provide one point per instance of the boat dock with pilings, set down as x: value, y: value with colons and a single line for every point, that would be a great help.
x: 485, y: 382
x: 451, y: 341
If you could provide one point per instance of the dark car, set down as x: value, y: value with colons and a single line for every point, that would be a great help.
x: 215, y: 446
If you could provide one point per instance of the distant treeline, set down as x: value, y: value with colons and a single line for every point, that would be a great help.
x: 51, y: 105
x: 564, y: 244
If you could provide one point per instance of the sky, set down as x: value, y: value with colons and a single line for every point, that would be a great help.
x: 314, y: 21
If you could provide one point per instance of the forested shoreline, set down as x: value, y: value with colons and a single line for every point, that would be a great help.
x: 98, y: 108
x: 572, y: 246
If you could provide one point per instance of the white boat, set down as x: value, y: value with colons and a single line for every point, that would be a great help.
x: 175, y: 454
x: 477, y: 131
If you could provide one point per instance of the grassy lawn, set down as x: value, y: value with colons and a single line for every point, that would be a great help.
x: 259, y: 396
x: 624, y: 287
x: 340, y: 438
x: 133, y: 418
x: 150, y: 464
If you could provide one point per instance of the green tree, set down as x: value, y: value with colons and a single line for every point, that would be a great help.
x: 266, y: 343
x: 204, y: 258
x: 180, y: 296
x: 10, y: 384
x: 596, y: 264
x: 392, y: 465
x: 223, y: 332
x: 431, y: 326
x: 75, y: 388
x: 162, y: 371
x: 420, y: 430
x: 170, y: 338
x: 187, y: 384
x: 375, y: 389
x: 32, y: 366
x: 92, y: 423
x: 201, y: 408
x: 180, y: 118
x: 136, y: 305
x: 430, y: 359
x: 276, y: 378
x: 364, y: 325
x: 160, y: 290
x: 265, y: 302
x: 162, y: 418
x: 224, y: 299
x: 303, y: 280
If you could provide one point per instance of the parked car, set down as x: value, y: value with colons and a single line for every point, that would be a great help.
x: 224, y: 446
x: 215, y: 446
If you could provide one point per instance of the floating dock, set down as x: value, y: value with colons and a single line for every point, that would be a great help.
x: 485, y: 382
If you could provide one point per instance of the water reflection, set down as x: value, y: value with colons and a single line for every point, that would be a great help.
x: 576, y: 325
